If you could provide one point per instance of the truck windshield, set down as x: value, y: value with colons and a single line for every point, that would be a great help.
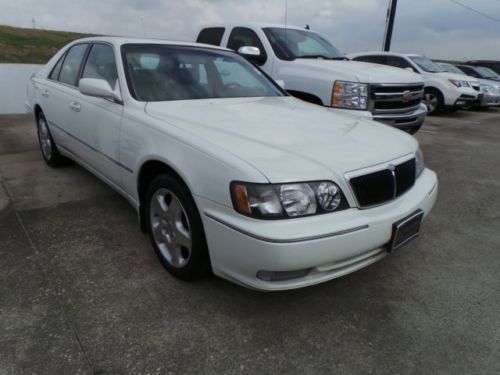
x: 289, y: 44
x: 426, y: 65
x: 487, y: 73
x: 157, y: 72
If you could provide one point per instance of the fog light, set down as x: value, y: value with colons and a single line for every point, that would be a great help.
x: 460, y: 102
x: 282, y: 275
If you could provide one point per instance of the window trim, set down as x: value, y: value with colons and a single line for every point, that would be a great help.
x: 79, y: 71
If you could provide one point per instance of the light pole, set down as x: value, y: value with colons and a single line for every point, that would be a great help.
x: 391, y: 15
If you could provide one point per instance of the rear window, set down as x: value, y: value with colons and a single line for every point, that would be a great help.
x: 212, y: 35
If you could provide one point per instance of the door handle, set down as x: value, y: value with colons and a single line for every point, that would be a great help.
x: 75, y: 106
x: 45, y: 93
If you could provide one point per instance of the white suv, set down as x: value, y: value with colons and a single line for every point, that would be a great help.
x: 442, y: 89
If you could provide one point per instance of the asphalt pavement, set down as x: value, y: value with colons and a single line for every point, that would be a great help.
x: 81, y: 291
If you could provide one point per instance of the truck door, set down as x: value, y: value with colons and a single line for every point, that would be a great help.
x: 243, y: 36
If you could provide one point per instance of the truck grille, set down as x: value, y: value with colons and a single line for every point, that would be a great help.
x: 388, y: 99
x: 385, y: 185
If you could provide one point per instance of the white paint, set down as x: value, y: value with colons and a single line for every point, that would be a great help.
x: 13, y: 79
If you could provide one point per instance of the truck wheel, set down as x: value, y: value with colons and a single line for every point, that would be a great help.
x: 433, y: 99
x: 47, y: 145
x: 175, y: 229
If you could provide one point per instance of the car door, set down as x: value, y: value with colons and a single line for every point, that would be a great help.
x: 58, y: 93
x: 98, y: 120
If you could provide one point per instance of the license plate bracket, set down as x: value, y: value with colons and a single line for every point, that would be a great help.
x: 405, y: 230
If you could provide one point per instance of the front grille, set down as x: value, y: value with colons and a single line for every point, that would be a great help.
x: 395, y: 98
x: 385, y: 185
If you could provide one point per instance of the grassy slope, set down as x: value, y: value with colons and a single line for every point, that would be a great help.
x: 32, y: 46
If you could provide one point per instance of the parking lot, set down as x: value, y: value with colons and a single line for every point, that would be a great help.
x: 81, y: 290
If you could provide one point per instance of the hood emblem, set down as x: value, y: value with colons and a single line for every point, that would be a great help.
x: 407, y: 96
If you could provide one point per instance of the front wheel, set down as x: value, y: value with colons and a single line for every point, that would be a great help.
x: 433, y: 100
x: 175, y: 229
x: 47, y: 145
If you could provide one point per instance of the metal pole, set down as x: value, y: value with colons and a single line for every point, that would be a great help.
x: 391, y: 15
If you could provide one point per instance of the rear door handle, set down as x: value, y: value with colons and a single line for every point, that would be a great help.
x: 45, y: 93
x: 75, y: 106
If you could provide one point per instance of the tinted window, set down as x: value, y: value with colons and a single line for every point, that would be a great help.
x: 57, y: 68
x: 163, y: 73
x: 398, y: 62
x: 72, y: 63
x: 289, y: 44
x: 101, y: 64
x: 469, y: 71
x: 372, y: 59
x: 241, y: 36
x: 212, y: 35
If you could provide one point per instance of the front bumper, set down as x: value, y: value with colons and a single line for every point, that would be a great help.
x: 490, y: 100
x: 412, y: 120
x: 329, y: 245
x: 467, y: 101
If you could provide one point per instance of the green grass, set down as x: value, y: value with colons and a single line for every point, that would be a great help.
x: 32, y: 46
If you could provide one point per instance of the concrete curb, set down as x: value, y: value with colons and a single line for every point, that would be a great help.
x: 4, y: 200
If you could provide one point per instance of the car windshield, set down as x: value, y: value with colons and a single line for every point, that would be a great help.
x: 487, y: 72
x: 451, y: 68
x: 426, y: 65
x: 158, y: 72
x: 289, y: 44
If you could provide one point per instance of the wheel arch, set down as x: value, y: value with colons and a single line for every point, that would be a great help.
x: 147, y: 172
x: 37, y: 109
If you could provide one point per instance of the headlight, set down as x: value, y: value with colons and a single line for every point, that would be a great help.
x: 419, y: 163
x: 350, y: 95
x: 276, y: 201
x: 456, y: 83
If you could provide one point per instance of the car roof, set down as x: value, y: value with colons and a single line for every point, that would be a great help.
x: 260, y: 25
x: 120, y: 40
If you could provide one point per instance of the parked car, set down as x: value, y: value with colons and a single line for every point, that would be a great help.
x: 226, y: 171
x: 312, y: 69
x: 479, y: 72
x: 442, y: 89
x: 492, y: 64
x: 490, y: 89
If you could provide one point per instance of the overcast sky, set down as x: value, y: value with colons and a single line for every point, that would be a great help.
x: 435, y: 28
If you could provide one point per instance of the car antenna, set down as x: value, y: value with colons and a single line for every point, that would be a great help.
x: 286, y: 16
x: 307, y: 27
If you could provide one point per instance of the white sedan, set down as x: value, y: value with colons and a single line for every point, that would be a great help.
x: 227, y: 173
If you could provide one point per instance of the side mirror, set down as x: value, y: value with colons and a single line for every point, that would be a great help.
x: 253, y: 54
x: 99, y: 88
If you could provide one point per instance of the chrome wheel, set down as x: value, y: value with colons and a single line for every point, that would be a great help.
x: 170, y: 227
x: 431, y: 101
x: 44, y: 137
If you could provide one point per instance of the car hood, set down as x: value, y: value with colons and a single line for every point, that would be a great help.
x: 356, y: 70
x: 284, y: 138
x: 458, y: 77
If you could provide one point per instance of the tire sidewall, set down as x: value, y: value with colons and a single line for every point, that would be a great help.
x: 198, y: 264
x: 439, y: 98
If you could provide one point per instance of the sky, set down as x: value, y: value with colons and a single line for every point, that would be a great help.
x: 434, y: 28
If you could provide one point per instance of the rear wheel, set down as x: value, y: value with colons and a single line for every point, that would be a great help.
x: 433, y: 100
x: 175, y: 229
x: 47, y: 145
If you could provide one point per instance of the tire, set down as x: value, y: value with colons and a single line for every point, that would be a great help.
x: 48, y: 147
x: 175, y: 229
x: 433, y: 99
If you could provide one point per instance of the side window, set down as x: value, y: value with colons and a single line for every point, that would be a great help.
x: 242, y: 36
x: 57, y: 68
x: 211, y: 35
x: 398, y: 62
x: 372, y: 59
x: 469, y: 71
x: 101, y: 64
x: 72, y: 63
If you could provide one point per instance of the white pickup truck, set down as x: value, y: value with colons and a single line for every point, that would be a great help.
x: 312, y: 69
